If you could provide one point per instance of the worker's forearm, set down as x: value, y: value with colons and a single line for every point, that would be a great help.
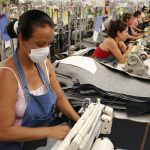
x: 66, y: 108
x: 132, y: 37
x: 124, y: 57
x: 146, y: 20
x: 17, y: 133
x: 134, y: 33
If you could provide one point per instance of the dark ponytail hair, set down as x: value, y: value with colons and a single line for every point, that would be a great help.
x: 144, y: 8
x: 115, y: 26
x: 27, y: 22
x: 137, y: 13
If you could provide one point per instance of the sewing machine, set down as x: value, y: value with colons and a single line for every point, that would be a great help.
x: 96, y: 120
x: 135, y: 60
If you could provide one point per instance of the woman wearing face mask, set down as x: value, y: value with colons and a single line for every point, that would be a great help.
x: 29, y: 89
x: 113, y: 47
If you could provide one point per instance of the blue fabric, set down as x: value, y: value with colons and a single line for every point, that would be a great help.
x: 107, y: 60
x: 3, y: 25
x: 98, y: 23
x: 40, y: 109
x: 129, y: 31
x: 6, y: 146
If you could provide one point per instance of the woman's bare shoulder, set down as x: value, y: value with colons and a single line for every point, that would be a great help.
x: 6, y: 74
x: 9, y: 62
x: 109, y: 41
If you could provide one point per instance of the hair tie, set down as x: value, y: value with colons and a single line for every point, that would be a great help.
x: 16, y: 27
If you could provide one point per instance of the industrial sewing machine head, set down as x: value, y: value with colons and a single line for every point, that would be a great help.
x: 135, y: 64
x: 96, y: 119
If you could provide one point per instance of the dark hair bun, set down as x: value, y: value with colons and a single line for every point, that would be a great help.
x: 10, y: 29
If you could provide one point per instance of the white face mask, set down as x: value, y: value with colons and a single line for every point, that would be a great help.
x: 38, y: 55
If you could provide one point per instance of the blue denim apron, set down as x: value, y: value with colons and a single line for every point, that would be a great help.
x: 39, y: 111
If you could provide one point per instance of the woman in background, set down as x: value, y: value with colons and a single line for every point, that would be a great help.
x: 135, y: 24
x: 132, y: 35
x: 113, y: 47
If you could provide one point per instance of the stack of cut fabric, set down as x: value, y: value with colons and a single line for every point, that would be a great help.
x: 83, y: 77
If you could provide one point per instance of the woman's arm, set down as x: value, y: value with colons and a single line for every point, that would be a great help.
x: 139, y: 35
x: 135, y: 37
x: 62, y: 102
x: 125, y: 48
x: 137, y: 29
x: 113, y: 47
x: 145, y: 19
x: 8, y: 130
x: 122, y: 47
x: 133, y: 32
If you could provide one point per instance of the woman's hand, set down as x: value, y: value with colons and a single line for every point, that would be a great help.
x: 140, y: 36
x: 59, y: 132
x: 129, y: 47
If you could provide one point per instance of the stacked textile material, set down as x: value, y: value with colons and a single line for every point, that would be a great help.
x: 83, y: 77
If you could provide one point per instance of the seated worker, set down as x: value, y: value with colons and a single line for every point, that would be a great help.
x: 113, y: 47
x: 143, y: 20
x: 29, y: 89
x: 135, y: 24
x: 132, y: 35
